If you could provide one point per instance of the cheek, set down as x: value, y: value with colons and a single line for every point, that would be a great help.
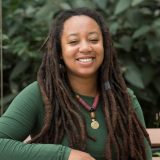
x: 65, y: 51
x: 69, y: 51
x: 100, y: 50
x: 64, y: 47
x: 101, y: 56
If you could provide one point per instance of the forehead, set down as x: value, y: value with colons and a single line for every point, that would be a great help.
x: 80, y: 23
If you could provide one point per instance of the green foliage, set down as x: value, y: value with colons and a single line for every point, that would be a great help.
x: 121, y: 6
x: 135, y: 29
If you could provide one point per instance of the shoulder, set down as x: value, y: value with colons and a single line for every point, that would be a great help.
x: 31, y: 89
x: 133, y: 98
x: 136, y: 105
x: 130, y: 92
x: 30, y: 95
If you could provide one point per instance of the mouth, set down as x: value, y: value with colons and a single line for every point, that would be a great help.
x: 86, y: 60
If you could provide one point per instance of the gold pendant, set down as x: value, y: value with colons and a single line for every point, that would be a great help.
x: 94, y: 124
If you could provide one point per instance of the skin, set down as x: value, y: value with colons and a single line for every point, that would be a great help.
x: 83, y: 54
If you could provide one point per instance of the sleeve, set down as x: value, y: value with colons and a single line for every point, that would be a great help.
x: 18, y: 122
x: 140, y: 116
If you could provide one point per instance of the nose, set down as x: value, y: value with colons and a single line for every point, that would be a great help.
x: 85, y: 47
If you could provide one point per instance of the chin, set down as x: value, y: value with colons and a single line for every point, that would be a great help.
x: 88, y: 74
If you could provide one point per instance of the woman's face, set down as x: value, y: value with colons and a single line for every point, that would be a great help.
x: 82, y: 46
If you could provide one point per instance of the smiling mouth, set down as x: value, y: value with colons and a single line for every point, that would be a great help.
x: 86, y: 60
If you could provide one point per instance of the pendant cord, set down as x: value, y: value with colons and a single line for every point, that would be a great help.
x: 86, y: 105
x: 91, y: 109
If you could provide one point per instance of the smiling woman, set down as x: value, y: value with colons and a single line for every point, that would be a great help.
x: 82, y: 51
x: 80, y: 107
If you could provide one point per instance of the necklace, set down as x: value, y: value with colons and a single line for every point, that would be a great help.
x: 91, y: 109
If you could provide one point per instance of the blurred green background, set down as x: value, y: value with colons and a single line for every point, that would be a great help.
x: 135, y: 29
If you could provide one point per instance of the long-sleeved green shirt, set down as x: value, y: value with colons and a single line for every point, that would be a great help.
x: 25, y: 116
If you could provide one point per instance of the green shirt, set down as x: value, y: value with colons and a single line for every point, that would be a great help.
x: 25, y: 116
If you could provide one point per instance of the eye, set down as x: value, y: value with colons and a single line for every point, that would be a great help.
x: 74, y: 42
x: 94, y: 41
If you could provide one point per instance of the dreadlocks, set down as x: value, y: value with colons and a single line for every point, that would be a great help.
x: 61, y: 114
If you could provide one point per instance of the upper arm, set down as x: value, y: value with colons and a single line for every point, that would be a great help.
x: 139, y: 113
x: 137, y: 107
x: 19, y: 119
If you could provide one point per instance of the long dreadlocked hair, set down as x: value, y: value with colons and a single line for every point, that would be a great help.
x: 62, y: 117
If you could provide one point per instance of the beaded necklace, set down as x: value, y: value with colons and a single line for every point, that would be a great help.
x: 91, y: 109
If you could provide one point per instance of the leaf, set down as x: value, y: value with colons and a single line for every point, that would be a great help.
x: 113, y: 28
x: 65, y: 5
x: 18, y: 69
x: 135, y: 18
x: 151, y: 41
x: 156, y: 26
x: 148, y: 73
x: 30, y: 11
x: 133, y: 75
x: 5, y: 37
x: 14, y: 29
x: 101, y: 4
x: 121, y: 6
x: 141, y: 31
x: 156, y: 23
x: 14, y: 87
x: 136, y: 2
x: 83, y: 3
x: 155, y: 54
x: 48, y: 9
x: 146, y: 11
x: 126, y: 43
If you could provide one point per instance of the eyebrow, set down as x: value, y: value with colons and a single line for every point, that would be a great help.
x: 72, y: 34
x: 93, y: 33
x: 75, y: 34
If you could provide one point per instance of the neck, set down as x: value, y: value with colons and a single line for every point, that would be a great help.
x: 84, y: 86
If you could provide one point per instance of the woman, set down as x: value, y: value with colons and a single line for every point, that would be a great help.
x: 80, y: 108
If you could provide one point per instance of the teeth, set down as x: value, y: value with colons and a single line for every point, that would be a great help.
x: 86, y: 60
